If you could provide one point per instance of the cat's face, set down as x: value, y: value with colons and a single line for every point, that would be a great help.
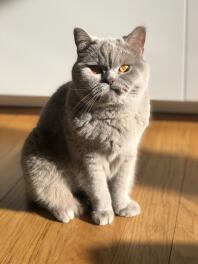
x: 110, y: 71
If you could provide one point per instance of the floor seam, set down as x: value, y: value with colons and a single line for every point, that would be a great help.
x: 179, y: 203
x: 11, y: 189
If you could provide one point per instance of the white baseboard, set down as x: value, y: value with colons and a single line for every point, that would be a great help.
x: 156, y: 106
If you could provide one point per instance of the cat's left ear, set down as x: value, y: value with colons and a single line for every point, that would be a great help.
x: 82, y: 38
x: 136, y: 39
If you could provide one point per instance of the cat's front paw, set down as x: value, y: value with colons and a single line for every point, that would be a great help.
x: 132, y: 209
x: 67, y: 213
x: 102, y: 217
x: 64, y: 216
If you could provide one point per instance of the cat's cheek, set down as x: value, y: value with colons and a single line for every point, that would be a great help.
x: 97, y: 77
x: 89, y: 75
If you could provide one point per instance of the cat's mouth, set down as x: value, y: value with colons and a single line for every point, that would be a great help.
x: 110, y: 96
x: 116, y: 90
x: 106, y: 88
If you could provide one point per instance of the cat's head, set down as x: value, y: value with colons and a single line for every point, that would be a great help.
x: 110, y: 71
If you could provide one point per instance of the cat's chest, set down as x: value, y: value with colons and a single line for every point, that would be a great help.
x: 109, y: 133
x: 114, y: 133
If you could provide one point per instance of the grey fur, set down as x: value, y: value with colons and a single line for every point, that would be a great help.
x: 88, y: 133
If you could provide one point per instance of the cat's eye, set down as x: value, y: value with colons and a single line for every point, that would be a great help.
x: 123, y: 68
x: 95, y: 69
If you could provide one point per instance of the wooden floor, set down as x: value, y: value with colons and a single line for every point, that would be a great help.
x: 166, y: 188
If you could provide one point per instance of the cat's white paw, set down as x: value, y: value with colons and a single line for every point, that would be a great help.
x: 64, y: 216
x: 130, y: 210
x: 103, y: 217
x: 68, y: 212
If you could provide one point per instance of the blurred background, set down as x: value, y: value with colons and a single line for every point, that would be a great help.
x: 37, y: 48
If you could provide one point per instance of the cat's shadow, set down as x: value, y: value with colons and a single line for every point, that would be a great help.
x: 144, y: 252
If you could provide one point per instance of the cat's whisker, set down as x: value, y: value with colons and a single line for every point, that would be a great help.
x: 78, y: 89
x: 79, y: 103
x: 91, y: 102
x: 84, y: 99
x: 87, y: 105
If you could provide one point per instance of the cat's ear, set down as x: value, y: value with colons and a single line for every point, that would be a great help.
x: 136, y: 39
x: 82, y: 38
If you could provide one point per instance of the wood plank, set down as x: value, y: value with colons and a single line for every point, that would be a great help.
x: 185, y: 243
x: 19, y: 231
x: 149, y: 237
x: 13, y: 130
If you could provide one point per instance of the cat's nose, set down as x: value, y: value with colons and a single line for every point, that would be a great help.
x: 111, y: 80
x: 109, y: 77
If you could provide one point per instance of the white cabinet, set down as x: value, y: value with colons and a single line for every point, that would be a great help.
x: 37, y: 48
x: 192, y: 52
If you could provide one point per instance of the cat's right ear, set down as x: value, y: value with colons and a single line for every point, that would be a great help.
x: 136, y: 39
x: 82, y: 39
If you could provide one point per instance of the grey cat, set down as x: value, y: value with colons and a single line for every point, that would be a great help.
x: 88, y: 133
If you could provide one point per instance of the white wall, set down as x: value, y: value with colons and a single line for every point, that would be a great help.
x: 37, y: 48
x: 192, y: 52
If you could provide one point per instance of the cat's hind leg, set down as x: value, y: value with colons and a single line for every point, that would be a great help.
x: 47, y: 185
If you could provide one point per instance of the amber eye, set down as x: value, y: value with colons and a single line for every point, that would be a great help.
x: 123, y: 68
x: 95, y: 69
